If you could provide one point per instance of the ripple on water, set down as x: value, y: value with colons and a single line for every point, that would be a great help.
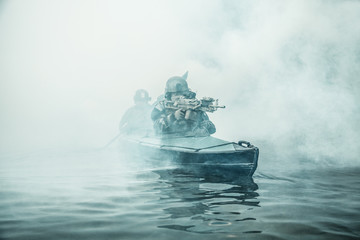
x: 173, y: 204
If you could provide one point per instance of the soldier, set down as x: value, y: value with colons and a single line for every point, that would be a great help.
x: 136, y: 119
x: 179, y: 121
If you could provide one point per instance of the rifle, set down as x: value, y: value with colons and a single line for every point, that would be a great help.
x: 206, y: 104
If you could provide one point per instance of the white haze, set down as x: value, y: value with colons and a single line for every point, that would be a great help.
x: 287, y: 71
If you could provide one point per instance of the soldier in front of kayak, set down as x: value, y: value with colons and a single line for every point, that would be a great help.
x: 184, y: 122
x: 137, y: 120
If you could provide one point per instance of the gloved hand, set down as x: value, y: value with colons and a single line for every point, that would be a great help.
x: 191, y: 115
x: 179, y: 114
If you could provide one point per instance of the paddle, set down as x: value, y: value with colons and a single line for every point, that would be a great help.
x: 112, y: 140
x: 116, y: 137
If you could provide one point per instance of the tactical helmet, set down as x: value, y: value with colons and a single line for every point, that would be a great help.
x: 177, y: 84
x: 141, y: 95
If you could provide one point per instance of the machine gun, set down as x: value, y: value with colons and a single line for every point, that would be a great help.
x: 206, y: 104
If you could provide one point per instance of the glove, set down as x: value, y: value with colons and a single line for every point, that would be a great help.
x: 179, y: 114
x: 191, y: 115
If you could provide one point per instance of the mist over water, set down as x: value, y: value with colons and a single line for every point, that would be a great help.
x: 287, y: 71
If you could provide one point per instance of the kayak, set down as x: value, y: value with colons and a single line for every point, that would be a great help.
x: 199, y: 155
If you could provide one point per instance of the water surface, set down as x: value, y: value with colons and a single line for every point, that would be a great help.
x: 107, y: 195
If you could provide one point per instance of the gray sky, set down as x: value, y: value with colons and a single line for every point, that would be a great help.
x: 288, y: 71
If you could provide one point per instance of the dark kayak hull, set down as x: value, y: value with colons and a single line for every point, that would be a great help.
x: 202, y: 156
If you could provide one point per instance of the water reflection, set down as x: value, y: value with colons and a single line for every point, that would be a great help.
x: 207, y: 204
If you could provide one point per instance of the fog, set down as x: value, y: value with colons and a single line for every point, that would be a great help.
x: 287, y: 71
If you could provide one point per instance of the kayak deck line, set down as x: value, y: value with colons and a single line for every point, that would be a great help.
x: 197, y: 149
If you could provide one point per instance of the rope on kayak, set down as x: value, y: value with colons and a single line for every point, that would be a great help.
x: 240, y: 143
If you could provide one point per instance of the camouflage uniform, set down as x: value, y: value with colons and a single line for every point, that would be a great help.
x: 165, y: 122
x: 164, y: 118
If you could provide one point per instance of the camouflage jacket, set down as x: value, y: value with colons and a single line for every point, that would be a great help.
x: 165, y: 122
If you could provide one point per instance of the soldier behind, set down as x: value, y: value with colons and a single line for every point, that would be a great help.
x: 136, y: 120
x: 180, y: 121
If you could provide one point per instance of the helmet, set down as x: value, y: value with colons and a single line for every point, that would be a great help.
x: 177, y: 84
x: 141, y: 95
